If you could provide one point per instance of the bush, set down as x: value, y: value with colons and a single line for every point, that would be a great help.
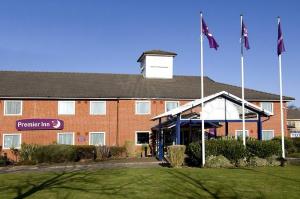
x: 273, y: 161
x: 217, y: 162
x: 117, y: 151
x: 130, y: 148
x: 4, y: 160
x: 85, y: 152
x: 263, y: 149
x: 102, y: 152
x: 242, y: 162
x: 176, y: 155
x: 27, y: 151
x: 257, y: 162
x: 55, y: 153
x: 296, y: 143
x: 288, y: 145
x: 194, y: 153
x: 233, y: 150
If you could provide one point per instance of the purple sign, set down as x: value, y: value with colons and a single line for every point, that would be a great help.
x: 39, y: 124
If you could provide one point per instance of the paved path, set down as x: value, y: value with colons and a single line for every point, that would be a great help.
x: 82, y: 166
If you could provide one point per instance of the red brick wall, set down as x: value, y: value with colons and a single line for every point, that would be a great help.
x: 82, y: 122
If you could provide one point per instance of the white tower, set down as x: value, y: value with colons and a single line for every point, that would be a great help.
x: 157, y: 64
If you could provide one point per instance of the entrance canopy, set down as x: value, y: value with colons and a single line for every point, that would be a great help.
x: 219, y: 106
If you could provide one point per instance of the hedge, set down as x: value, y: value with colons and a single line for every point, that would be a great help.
x: 233, y: 150
x: 263, y: 149
x: 55, y: 153
x: 85, y: 152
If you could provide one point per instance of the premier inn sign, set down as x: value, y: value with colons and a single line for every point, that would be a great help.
x: 39, y: 124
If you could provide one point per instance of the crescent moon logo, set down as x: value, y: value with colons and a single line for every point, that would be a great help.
x: 56, y: 124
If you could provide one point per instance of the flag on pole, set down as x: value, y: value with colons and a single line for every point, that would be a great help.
x: 244, y: 43
x: 211, y: 40
x: 245, y: 36
x: 212, y: 44
x: 280, y: 44
x: 280, y: 49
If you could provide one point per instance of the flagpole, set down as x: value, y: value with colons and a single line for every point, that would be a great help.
x: 281, y: 104
x: 202, y: 91
x: 243, y: 93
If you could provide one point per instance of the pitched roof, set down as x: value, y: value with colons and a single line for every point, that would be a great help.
x: 156, y: 52
x: 197, y: 102
x: 293, y: 114
x: 96, y: 85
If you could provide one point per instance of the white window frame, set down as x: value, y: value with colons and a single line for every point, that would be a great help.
x: 136, y: 132
x: 74, y: 106
x: 4, y: 134
x: 62, y: 133
x: 247, y: 132
x: 146, y: 101
x: 270, y: 130
x: 7, y: 114
x: 178, y: 104
x: 267, y: 110
x: 101, y: 113
x: 104, y: 137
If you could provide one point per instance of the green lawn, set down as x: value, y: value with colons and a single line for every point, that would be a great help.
x: 269, y: 182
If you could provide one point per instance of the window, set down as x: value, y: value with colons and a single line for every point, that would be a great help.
x: 268, y: 106
x: 97, y: 138
x: 267, y: 134
x: 12, y: 107
x: 97, y: 107
x: 169, y: 105
x: 291, y: 124
x: 65, y: 138
x: 142, y: 138
x: 11, y: 141
x: 66, y: 107
x: 142, y: 107
x: 239, y: 134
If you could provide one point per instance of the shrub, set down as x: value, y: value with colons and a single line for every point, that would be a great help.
x: 296, y: 143
x: 27, y: 151
x: 233, y: 150
x: 257, y: 162
x: 4, y: 160
x: 217, y: 162
x: 102, y: 152
x: 288, y: 145
x: 263, y: 149
x: 16, y: 153
x: 55, y: 153
x: 176, y: 155
x: 130, y: 148
x: 85, y: 152
x: 242, y: 162
x: 273, y: 161
x: 194, y: 153
x: 117, y: 151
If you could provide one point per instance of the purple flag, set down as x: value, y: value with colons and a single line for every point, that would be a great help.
x: 211, y: 40
x: 245, y: 36
x: 280, y: 44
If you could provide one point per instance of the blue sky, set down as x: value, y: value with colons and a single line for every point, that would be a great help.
x: 108, y: 36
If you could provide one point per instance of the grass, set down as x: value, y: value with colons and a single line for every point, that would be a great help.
x: 268, y: 182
